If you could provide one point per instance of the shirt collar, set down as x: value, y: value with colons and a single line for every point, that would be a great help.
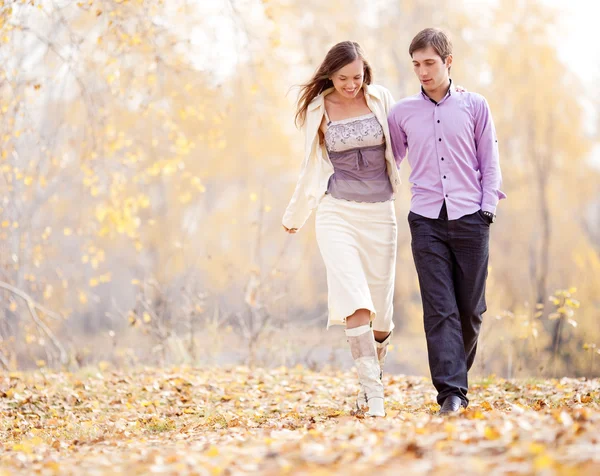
x: 451, y: 90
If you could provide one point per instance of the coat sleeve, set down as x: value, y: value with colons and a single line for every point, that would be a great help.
x: 389, y: 101
x: 301, y: 206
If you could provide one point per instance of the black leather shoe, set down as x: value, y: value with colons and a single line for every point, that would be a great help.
x: 451, y: 405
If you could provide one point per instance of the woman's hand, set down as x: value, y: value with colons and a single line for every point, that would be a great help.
x: 460, y: 89
x: 291, y: 231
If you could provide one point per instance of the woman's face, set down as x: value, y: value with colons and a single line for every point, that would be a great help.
x: 348, y: 80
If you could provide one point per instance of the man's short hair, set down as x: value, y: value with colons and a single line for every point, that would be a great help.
x: 434, y: 37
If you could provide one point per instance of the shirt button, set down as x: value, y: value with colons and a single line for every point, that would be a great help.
x: 446, y: 195
x: 442, y: 158
x: 444, y: 176
x: 440, y: 139
x: 439, y: 122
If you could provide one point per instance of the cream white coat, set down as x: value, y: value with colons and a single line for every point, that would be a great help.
x: 317, y: 167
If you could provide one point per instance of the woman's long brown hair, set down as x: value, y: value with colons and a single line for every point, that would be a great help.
x: 337, y: 57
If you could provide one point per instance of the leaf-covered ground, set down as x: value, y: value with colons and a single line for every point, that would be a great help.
x: 288, y: 421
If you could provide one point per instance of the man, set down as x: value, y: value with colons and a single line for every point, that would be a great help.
x: 453, y: 153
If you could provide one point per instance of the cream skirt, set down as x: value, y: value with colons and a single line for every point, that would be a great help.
x: 358, y: 243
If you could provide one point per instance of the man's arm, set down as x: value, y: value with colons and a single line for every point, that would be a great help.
x: 397, y: 136
x: 486, y: 145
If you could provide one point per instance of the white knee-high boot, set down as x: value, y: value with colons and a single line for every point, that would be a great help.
x: 382, y: 348
x: 364, y: 352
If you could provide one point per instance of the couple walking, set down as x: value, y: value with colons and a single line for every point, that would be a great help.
x: 356, y: 138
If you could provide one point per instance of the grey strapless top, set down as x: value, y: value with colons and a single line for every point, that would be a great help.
x: 356, y: 147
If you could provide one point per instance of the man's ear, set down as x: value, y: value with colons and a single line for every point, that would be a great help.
x: 449, y: 61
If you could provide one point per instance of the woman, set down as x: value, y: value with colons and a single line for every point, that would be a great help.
x: 350, y: 176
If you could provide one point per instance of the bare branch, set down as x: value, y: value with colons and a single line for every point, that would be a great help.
x: 64, y: 357
x: 30, y: 301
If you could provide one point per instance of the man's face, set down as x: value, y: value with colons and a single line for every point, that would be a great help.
x: 430, y: 69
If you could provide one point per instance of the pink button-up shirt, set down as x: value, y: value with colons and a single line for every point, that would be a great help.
x: 452, y: 150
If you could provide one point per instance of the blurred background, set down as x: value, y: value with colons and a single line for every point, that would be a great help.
x: 148, y: 152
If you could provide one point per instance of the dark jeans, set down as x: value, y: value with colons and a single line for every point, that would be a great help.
x: 451, y: 257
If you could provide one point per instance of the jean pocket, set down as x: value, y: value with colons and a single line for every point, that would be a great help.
x: 412, y: 216
x: 485, y: 219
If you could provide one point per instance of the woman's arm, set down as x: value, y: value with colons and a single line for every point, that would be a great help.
x: 299, y: 209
